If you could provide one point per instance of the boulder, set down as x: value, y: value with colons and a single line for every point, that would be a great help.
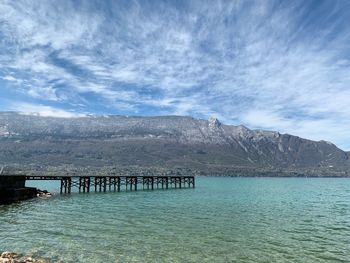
x: 9, y: 255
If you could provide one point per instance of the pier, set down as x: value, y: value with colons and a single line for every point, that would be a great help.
x: 87, y: 184
x: 12, y: 187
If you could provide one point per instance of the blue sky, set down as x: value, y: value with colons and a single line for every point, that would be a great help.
x: 276, y: 65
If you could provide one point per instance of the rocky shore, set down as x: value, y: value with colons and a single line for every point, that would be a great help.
x: 11, y: 257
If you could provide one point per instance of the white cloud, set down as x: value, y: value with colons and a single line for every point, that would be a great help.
x: 9, y: 78
x: 42, y: 110
x: 49, y: 93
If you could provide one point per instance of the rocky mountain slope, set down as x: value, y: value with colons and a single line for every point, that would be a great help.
x: 169, y: 144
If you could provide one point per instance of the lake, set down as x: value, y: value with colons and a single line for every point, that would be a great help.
x: 222, y: 220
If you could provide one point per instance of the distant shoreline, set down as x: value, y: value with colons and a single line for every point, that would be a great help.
x: 134, y: 170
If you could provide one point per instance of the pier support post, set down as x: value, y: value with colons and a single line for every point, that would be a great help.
x: 61, y: 188
x: 104, y: 184
x: 87, y: 184
x: 80, y: 182
x: 69, y: 185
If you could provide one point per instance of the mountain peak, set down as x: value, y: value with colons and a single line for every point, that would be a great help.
x: 214, y: 123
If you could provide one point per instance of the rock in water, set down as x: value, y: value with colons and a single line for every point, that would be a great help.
x: 10, y: 257
x: 7, y: 254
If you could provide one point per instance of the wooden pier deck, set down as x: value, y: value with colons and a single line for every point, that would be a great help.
x: 117, y: 183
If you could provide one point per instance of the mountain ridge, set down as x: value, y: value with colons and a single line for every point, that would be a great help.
x: 163, y: 144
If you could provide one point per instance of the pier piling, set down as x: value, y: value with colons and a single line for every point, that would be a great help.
x: 117, y: 183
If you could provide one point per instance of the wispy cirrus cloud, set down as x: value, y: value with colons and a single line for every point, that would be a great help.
x: 43, y: 110
x: 266, y: 64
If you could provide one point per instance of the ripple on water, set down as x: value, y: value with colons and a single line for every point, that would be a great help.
x: 222, y: 220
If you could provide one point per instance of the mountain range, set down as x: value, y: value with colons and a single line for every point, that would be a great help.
x: 164, y: 145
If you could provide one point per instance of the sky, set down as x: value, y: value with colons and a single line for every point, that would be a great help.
x: 272, y: 65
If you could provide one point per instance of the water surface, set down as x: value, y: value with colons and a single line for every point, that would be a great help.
x: 221, y: 220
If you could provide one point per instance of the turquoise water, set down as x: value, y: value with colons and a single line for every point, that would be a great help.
x: 221, y: 220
